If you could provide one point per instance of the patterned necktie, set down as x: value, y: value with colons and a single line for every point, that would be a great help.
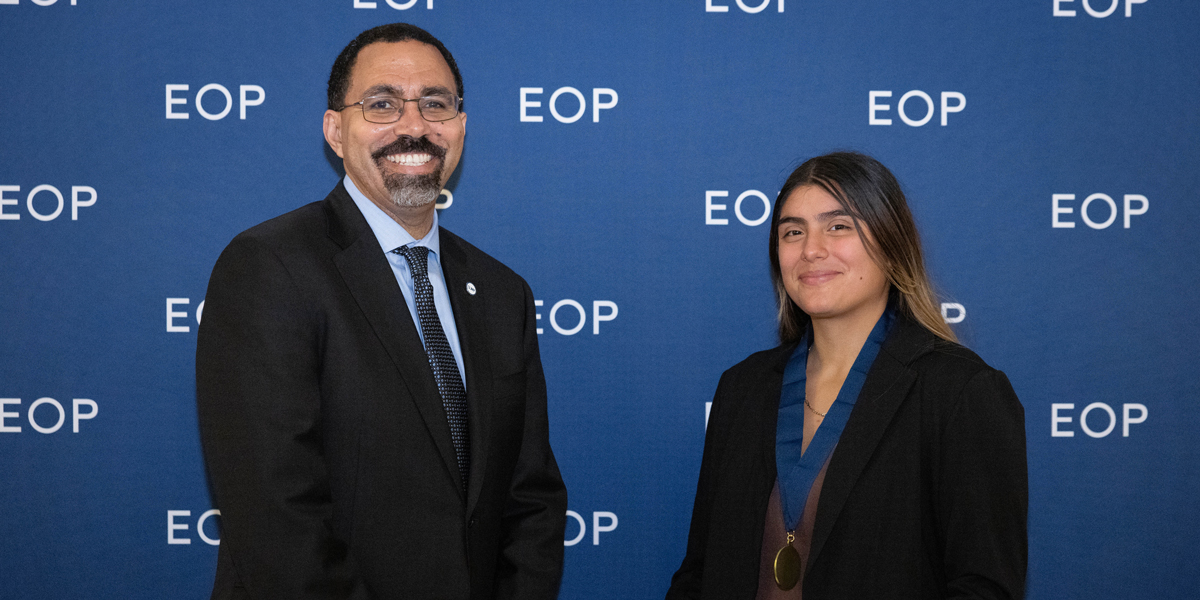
x: 441, y: 359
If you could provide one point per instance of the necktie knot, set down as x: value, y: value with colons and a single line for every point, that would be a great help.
x: 417, y: 257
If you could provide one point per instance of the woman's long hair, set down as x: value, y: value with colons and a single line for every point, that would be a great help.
x: 869, y: 192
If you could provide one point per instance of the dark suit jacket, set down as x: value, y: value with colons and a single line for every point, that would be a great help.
x: 925, y: 495
x: 328, y: 450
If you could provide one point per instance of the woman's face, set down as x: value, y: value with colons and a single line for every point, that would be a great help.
x: 826, y: 269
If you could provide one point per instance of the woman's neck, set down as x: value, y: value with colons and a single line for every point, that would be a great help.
x: 837, y: 341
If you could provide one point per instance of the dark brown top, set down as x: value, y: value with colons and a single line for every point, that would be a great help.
x: 775, y: 537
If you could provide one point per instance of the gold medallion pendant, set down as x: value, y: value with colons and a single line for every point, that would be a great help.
x: 787, y: 565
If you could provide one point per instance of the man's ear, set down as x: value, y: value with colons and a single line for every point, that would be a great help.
x: 332, y: 125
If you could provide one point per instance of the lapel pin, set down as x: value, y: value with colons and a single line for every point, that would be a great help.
x: 471, y: 288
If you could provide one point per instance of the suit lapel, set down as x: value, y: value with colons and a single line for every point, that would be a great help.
x: 369, y: 277
x: 470, y: 319
x: 886, y: 387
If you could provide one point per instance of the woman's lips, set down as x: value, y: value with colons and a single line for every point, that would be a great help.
x: 817, y: 277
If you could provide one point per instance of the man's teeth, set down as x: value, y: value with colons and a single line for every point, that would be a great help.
x: 410, y: 160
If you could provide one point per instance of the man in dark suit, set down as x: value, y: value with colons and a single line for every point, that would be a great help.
x: 371, y: 398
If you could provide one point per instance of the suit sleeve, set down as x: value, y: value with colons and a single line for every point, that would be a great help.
x: 983, y: 494
x: 531, y: 555
x: 257, y: 391
x: 687, y: 581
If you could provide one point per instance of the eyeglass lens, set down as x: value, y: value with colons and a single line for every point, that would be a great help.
x: 387, y: 109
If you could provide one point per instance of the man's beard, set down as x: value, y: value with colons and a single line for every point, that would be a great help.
x: 411, y: 191
x: 414, y: 190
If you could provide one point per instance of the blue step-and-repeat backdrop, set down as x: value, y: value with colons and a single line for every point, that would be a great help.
x: 623, y: 157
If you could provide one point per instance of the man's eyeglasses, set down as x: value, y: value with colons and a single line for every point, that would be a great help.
x: 389, y: 109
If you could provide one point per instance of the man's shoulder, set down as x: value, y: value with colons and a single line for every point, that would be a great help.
x: 298, y: 229
x: 305, y: 219
x: 456, y: 248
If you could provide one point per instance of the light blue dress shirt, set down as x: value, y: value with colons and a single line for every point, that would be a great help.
x: 391, y: 236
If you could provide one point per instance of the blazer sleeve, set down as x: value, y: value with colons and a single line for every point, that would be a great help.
x: 531, y: 554
x: 258, y: 397
x: 688, y: 580
x: 983, y: 491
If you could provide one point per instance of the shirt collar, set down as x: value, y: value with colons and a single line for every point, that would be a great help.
x: 387, y: 231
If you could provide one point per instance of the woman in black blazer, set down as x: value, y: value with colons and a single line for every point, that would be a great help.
x: 902, y: 453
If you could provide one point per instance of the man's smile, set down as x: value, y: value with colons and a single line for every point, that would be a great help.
x: 410, y: 160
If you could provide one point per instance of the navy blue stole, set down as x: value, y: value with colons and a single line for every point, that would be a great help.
x: 797, y: 469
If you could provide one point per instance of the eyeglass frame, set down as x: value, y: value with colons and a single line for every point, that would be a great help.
x: 400, y: 113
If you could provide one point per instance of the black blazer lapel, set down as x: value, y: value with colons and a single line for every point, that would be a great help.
x: 887, y: 384
x: 471, y: 322
x: 370, y: 280
x: 742, y: 443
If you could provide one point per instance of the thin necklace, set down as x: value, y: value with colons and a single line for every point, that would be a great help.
x: 810, y: 407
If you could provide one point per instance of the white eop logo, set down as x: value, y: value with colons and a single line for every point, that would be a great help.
x: 742, y: 4
x: 392, y: 3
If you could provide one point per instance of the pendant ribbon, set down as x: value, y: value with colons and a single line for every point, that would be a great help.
x: 797, y: 469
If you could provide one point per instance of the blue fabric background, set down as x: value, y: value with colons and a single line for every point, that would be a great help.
x: 610, y: 211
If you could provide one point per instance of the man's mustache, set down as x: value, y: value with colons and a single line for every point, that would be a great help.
x: 406, y: 143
